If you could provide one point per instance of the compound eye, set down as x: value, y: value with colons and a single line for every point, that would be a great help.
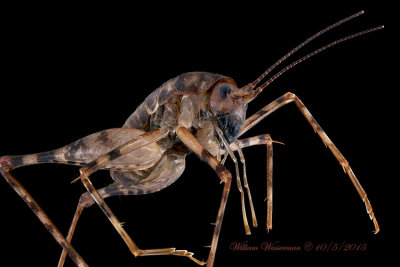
x: 225, y: 90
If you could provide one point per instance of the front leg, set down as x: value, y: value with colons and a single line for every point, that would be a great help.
x: 289, y: 98
x: 192, y: 143
x: 264, y: 139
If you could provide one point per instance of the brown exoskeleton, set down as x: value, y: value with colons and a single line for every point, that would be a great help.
x: 196, y: 112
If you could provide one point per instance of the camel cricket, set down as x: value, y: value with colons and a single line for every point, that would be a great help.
x: 198, y: 112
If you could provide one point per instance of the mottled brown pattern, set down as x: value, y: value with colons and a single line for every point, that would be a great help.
x: 41, y: 215
x: 187, y: 83
x: 148, y: 153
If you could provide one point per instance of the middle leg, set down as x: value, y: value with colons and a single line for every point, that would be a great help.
x: 168, y: 169
x: 137, y: 142
x: 133, y: 144
x: 115, y: 189
x: 192, y: 143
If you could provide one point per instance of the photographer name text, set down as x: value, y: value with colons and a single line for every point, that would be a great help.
x: 277, y: 246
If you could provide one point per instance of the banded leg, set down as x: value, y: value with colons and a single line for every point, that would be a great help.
x: 84, y: 202
x: 115, y: 189
x: 132, y: 246
x: 102, y: 161
x: 167, y: 170
x: 21, y: 191
x: 290, y: 97
x: 140, y: 141
x: 246, y: 185
x: 192, y: 143
x: 238, y: 181
x: 71, y: 231
x: 264, y: 139
x: 269, y: 183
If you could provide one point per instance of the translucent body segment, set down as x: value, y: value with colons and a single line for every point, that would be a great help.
x: 186, y: 113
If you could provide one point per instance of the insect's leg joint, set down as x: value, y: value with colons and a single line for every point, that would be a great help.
x: 242, y: 160
x: 290, y: 96
x: 5, y: 164
x: 268, y: 139
x: 86, y: 200
x: 226, y: 177
x: 83, y: 170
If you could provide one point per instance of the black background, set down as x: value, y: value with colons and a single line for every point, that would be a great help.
x: 70, y: 71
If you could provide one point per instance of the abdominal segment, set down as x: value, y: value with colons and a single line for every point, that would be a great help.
x: 91, y: 147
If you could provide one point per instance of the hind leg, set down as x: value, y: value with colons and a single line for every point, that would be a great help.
x: 166, y: 171
x: 5, y: 166
x: 114, y: 190
x: 84, y: 202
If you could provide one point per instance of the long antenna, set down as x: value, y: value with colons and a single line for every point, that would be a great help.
x: 259, y: 89
x: 250, y: 86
